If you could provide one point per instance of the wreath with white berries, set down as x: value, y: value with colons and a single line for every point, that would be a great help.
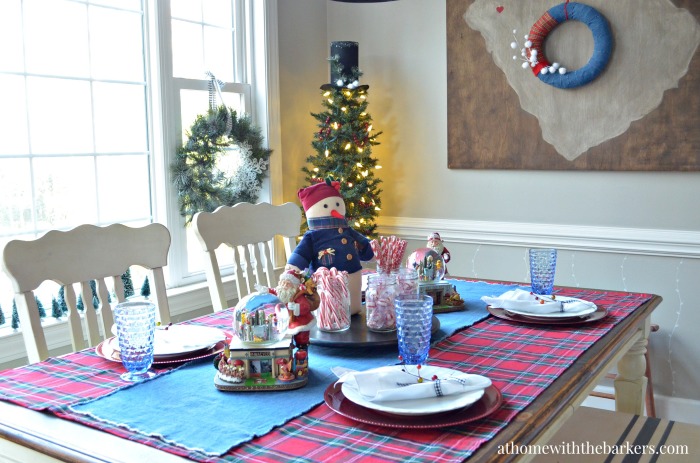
x: 553, y: 73
x: 199, y: 174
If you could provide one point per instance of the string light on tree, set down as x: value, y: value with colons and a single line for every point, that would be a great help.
x: 344, y: 140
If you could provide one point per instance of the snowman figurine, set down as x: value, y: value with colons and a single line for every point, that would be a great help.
x: 330, y: 242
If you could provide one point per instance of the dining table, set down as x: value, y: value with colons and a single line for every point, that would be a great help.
x: 75, y: 408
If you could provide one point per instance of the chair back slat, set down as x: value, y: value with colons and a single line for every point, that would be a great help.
x: 244, y: 266
x: 29, y: 317
x: 250, y: 229
x: 118, y: 286
x: 105, y: 307
x: 269, y: 267
x: 89, y: 315
x: 77, y: 257
x: 74, y: 320
x: 258, y: 266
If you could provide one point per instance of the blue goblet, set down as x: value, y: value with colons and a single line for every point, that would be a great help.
x: 136, y: 325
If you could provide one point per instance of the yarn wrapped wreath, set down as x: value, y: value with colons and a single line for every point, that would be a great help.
x: 223, y: 162
x: 602, y: 48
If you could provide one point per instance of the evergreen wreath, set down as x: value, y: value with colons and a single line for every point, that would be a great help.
x: 203, y: 182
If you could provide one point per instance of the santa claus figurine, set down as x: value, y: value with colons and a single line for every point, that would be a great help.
x: 435, y: 243
x: 330, y: 242
x: 298, y: 292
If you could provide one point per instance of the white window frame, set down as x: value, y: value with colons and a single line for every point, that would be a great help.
x: 260, y: 88
x: 262, y: 94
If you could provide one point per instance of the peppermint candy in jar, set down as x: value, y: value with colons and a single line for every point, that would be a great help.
x: 333, y: 313
x: 379, y: 302
x: 407, y: 282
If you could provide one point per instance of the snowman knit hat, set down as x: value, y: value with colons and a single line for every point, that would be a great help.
x: 315, y: 193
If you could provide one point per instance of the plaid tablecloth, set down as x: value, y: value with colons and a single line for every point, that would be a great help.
x: 522, y: 361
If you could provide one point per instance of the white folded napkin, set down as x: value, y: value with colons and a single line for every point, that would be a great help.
x: 524, y: 301
x: 391, y: 383
x: 184, y: 338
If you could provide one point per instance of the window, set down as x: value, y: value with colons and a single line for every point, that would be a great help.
x: 96, y: 95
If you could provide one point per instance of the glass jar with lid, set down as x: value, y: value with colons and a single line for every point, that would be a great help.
x: 379, y: 302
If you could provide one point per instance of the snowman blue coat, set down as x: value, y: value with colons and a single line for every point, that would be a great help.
x: 331, y: 242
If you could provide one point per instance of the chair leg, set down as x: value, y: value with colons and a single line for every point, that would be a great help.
x: 650, y: 404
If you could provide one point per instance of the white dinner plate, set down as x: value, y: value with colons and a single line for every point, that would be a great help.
x: 417, y: 407
x: 588, y: 309
x: 182, y: 339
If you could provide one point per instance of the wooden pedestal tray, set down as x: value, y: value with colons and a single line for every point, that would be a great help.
x: 358, y: 335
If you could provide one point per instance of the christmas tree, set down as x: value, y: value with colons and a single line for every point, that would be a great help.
x: 56, y: 311
x: 128, y: 284
x: 62, y: 300
x: 2, y: 317
x: 146, y: 288
x: 15, y: 316
x: 343, y: 147
x: 95, y: 300
x: 40, y: 307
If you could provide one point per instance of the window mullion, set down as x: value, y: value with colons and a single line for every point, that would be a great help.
x: 164, y: 128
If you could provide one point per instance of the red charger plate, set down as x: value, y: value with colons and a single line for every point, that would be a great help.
x: 105, y: 350
x: 489, y: 402
x: 503, y: 314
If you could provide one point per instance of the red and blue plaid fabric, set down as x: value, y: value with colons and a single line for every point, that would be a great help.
x: 521, y: 360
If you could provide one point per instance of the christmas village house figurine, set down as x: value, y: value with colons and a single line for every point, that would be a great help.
x: 270, y: 351
x: 330, y: 241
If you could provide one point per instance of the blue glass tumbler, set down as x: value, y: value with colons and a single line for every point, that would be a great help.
x: 414, y: 323
x: 136, y: 325
x: 543, y: 265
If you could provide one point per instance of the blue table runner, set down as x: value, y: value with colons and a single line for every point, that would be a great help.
x: 222, y: 420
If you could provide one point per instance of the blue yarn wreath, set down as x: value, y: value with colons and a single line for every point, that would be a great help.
x: 602, y: 48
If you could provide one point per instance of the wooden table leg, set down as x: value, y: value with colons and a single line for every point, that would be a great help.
x: 630, y: 383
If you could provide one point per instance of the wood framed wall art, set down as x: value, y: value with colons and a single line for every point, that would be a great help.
x: 642, y: 113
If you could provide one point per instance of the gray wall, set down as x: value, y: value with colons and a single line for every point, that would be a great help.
x: 403, y: 57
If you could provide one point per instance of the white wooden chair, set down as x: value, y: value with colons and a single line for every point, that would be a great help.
x: 80, y: 255
x: 250, y: 230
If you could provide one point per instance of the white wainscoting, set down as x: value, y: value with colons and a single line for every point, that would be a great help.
x: 651, y: 242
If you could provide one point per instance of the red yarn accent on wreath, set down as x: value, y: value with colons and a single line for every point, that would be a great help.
x: 537, y: 36
x: 566, y: 12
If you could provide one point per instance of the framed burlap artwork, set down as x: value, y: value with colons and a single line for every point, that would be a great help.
x: 641, y: 114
